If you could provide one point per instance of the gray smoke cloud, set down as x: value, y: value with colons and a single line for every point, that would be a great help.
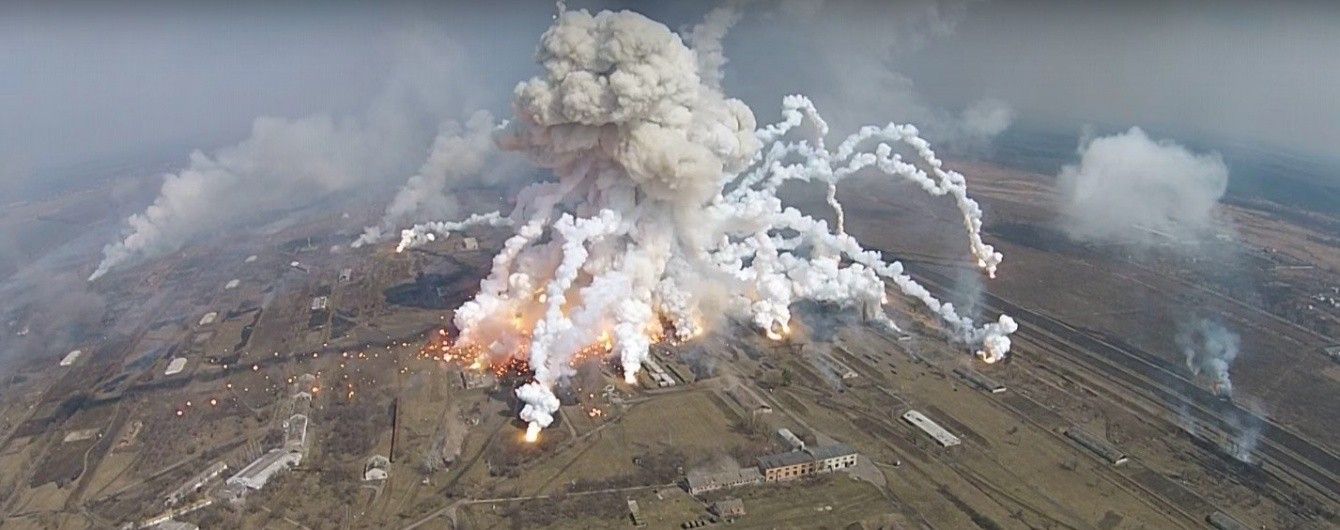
x: 852, y: 57
x: 1210, y: 349
x: 986, y: 118
x: 1128, y: 188
x: 292, y: 163
x: 48, y: 313
x: 462, y: 154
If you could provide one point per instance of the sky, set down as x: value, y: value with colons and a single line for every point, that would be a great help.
x: 86, y: 82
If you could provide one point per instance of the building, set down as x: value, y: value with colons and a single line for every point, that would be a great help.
x: 259, y: 471
x: 635, y: 514
x: 175, y: 366
x: 1098, y: 445
x: 295, y: 433
x: 834, y: 366
x: 657, y: 374
x: 748, y: 400
x: 81, y: 435
x: 302, y: 403
x: 375, y: 469
x: 791, y: 465
x: 209, y: 318
x: 701, y: 482
x: 196, y: 483
x: 728, y: 508
x: 320, y: 303
x: 1223, y: 521
x: 71, y: 357
x: 472, y: 379
x: 346, y: 274
x: 941, y: 436
x: 979, y: 380
x: 469, y: 243
x: 232, y: 284
x: 790, y: 439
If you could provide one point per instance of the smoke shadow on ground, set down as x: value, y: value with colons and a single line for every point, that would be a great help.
x: 437, y: 291
x: 823, y: 321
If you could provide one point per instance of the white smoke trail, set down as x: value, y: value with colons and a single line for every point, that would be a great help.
x: 665, y: 197
x: 425, y: 233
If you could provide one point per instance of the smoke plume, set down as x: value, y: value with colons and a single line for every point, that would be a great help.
x: 287, y: 164
x: 1209, y: 349
x: 461, y: 153
x: 1128, y: 188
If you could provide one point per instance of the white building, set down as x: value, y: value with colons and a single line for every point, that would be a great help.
x: 259, y: 471
x: 71, y: 357
x: 937, y: 432
x: 175, y: 366
x: 295, y: 433
x: 209, y: 318
x: 320, y: 303
x: 232, y: 284
x: 790, y: 439
x: 196, y: 483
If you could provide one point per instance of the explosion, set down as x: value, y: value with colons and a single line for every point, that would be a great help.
x: 664, y: 204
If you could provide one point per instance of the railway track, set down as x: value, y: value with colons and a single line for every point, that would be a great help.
x: 1140, y: 370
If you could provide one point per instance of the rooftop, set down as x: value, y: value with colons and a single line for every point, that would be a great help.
x: 698, y: 480
x: 831, y: 451
x: 784, y: 459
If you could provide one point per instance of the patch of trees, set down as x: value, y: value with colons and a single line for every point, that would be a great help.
x: 353, y: 428
x: 542, y: 513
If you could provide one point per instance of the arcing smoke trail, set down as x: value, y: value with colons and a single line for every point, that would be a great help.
x: 665, y: 196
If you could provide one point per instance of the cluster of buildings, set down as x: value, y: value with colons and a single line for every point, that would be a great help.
x: 800, y: 461
x: 658, y: 374
x: 830, y: 365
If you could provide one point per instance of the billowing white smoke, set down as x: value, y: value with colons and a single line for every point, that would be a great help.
x: 291, y: 163
x: 1130, y: 189
x: 666, y: 196
x: 461, y: 153
x: 1209, y: 349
